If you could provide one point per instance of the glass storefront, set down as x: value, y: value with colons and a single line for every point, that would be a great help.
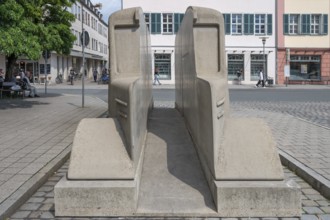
x: 257, y: 64
x: 305, y: 67
x: 163, y: 62
x: 235, y: 63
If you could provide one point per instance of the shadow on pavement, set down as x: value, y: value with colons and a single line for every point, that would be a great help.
x: 17, y: 102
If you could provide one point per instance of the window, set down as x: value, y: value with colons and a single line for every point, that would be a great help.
x: 236, y: 24
x: 235, y: 63
x: 293, y: 24
x: 306, y: 24
x: 147, y: 20
x: 260, y: 23
x: 168, y: 23
x: 163, y: 62
x: 305, y: 67
x: 315, y: 24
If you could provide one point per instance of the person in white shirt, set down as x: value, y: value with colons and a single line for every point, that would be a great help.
x: 261, y: 80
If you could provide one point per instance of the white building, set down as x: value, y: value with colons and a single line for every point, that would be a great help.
x: 96, y: 52
x: 246, y: 22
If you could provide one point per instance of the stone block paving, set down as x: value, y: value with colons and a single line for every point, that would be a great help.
x: 302, y: 130
x: 296, y: 133
x: 36, y: 135
x: 41, y: 204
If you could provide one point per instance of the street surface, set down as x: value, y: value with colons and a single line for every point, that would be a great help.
x: 298, y: 116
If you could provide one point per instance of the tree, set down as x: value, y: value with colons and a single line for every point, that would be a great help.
x: 29, y: 27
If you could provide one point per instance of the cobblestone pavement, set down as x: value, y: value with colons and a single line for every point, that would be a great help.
x: 298, y: 129
x: 301, y: 130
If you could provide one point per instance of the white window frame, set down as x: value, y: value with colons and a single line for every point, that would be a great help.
x: 315, y: 25
x: 168, y: 27
x: 236, y: 23
x: 260, y: 24
x: 294, y: 20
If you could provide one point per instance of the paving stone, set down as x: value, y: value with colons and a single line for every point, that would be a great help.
x: 36, y: 200
x: 324, y: 217
x: 39, y: 194
x: 326, y: 209
x: 21, y: 214
x: 309, y: 203
x: 47, y: 207
x: 309, y: 217
x: 313, y: 210
x: 47, y: 215
x: 30, y: 206
x: 323, y: 202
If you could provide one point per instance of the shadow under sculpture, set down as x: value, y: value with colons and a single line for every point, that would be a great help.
x: 238, y: 155
x: 107, y: 154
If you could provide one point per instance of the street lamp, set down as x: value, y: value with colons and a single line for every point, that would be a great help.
x: 263, y: 39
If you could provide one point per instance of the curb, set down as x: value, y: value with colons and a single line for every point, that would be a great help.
x: 314, y: 179
x: 14, y: 201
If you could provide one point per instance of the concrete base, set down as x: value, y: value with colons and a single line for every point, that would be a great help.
x: 258, y: 198
x: 95, y: 198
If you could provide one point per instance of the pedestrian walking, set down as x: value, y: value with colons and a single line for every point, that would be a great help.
x: 95, y: 74
x: 261, y: 80
x: 156, y: 76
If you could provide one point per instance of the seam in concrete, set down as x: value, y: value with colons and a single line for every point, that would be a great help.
x: 317, y: 181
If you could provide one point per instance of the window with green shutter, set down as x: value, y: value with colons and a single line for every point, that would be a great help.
x: 269, y: 24
x: 227, y: 23
x: 155, y: 23
x: 305, y: 24
x: 177, y: 21
x: 286, y: 23
x: 325, y: 24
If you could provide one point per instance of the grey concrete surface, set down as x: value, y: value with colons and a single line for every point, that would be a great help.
x: 36, y: 137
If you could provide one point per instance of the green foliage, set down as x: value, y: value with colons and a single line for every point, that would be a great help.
x: 28, y: 27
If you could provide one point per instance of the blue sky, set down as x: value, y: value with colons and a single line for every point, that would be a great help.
x: 108, y: 7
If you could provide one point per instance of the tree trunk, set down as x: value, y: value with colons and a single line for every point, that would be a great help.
x: 10, y: 67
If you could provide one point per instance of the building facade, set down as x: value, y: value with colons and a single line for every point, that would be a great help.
x: 303, y: 41
x: 247, y: 24
x: 96, y: 52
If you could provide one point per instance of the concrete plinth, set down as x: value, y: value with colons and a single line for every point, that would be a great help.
x: 95, y: 198
x: 258, y: 198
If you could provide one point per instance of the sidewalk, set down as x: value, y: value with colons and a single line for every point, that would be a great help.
x: 36, y: 136
x: 35, y: 140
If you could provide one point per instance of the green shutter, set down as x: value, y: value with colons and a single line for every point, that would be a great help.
x: 248, y: 24
x: 286, y: 23
x: 155, y: 23
x: 227, y: 23
x: 305, y: 24
x: 325, y: 24
x: 177, y: 21
x: 269, y: 24
x: 251, y: 23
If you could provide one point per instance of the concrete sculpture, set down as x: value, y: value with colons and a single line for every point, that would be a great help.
x: 107, y: 154
x: 238, y: 156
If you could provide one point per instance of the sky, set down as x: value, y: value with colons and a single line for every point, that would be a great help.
x: 108, y: 7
